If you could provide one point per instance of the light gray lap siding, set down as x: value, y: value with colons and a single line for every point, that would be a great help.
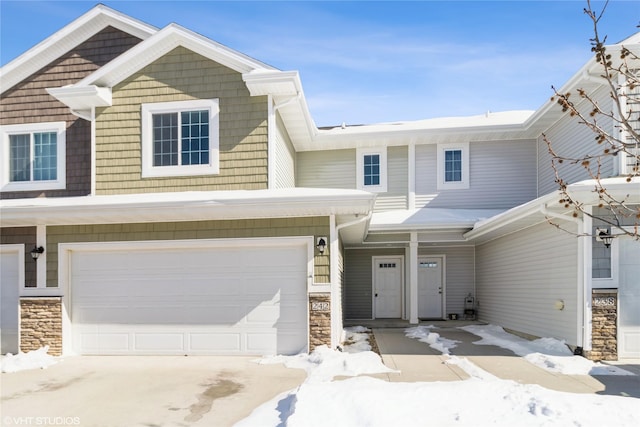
x: 519, y: 278
x: 502, y: 175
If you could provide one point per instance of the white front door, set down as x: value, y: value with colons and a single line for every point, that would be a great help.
x: 430, y: 288
x: 629, y: 297
x: 387, y: 287
x: 10, y: 265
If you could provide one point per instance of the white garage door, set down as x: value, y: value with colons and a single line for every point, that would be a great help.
x: 190, y: 300
x: 9, y: 298
x: 629, y: 296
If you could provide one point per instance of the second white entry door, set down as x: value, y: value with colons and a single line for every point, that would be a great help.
x: 430, y: 288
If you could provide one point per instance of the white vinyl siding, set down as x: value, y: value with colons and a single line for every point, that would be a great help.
x: 501, y: 173
x: 571, y: 139
x: 284, y: 173
x: 396, y: 195
x: 519, y: 278
x: 326, y: 169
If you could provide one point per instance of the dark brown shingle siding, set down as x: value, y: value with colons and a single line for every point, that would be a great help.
x: 28, y: 102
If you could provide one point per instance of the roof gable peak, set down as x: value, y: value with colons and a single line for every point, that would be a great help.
x: 163, y: 42
x: 65, y: 39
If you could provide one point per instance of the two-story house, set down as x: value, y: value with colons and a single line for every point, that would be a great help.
x: 165, y: 194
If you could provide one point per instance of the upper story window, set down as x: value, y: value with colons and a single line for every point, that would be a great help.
x: 453, y: 166
x: 372, y: 169
x: 180, y: 138
x: 33, y: 156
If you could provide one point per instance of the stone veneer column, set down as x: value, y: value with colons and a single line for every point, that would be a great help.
x: 41, y: 324
x: 319, y: 320
x: 604, y: 329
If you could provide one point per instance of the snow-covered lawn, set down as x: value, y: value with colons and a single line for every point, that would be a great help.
x: 481, y: 400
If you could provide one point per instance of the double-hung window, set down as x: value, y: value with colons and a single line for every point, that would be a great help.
x: 33, y: 156
x: 180, y: 138
x: 372, y: 169
x: 453, y: 166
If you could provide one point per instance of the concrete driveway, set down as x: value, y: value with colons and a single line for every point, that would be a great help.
x: 150, y: 391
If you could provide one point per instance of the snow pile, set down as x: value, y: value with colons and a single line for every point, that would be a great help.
x: 357, y: 339
x: 366, y: 401
x: 483, y: 399
x: 435, y: 341
x: 324, y: 364
x: 548, y: 353
x: 37, y: 359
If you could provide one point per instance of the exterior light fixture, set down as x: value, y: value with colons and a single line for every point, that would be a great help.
x: 36, y: 251
x: 321, y: 244
x: 603, y: 235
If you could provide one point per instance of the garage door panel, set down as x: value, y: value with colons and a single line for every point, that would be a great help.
x: 211, y: 300
x: 629, y: 298
x: 9, y: 301
x: 215, y: 342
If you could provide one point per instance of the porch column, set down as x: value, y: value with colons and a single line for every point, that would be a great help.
x: 413, y: 278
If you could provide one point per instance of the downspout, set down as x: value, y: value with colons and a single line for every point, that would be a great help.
x: 337, y: 336
x: 93, y: 151
x: 582, y: 284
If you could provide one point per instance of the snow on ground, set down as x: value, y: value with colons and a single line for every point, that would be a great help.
x: 356, y: 339
x: 548, y: 353
x: 37, y: 359
x: 481, y: 400
x: 435, y: 341
x: 324, y: 364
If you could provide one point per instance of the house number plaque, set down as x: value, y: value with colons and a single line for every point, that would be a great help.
x: 319, y: 306
x: 604, y: 301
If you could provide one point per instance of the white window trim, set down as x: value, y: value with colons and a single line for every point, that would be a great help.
x: 150, y: 171
x: 457, y: 185
x: 58, y: 184
x: 360, y: 153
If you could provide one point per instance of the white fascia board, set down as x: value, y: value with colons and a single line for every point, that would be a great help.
x: 583, y: 191
x: 72, y: 35
x: 187, y: 206
x: 160, y: 44
x: 589, y: 72
x: 429, y: 219
x: 509, y: 124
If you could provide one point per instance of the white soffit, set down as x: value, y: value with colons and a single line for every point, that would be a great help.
x: 185, y: 206
x: 66, y: 39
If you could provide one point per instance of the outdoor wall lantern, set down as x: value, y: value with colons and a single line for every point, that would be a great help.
x: 603, y: 235
x: 36, y: 251
x: 322, y: 244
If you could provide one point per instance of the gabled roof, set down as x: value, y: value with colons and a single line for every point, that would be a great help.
x: 161, y: 43
x: 75, y: 33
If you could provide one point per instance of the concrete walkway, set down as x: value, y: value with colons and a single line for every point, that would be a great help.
x: 416, y: 361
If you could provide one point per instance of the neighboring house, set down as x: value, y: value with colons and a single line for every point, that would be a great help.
x: 186, y: 203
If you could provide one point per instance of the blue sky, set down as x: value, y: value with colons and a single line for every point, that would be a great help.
x: 374, y: 61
